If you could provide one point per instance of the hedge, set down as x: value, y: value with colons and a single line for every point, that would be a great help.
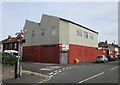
x: 8, y: 59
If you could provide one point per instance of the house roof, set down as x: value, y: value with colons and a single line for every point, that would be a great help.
x: 10, y: 40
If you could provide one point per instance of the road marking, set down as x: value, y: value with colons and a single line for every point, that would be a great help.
x: 70, y: 67
x: 46, y: 69
x: 51, y: 73
x: 91, y: 77
x: 67, y: 68
x: 73, y: 66
x: 55, y: 73
x: 60, y: 71
x: 38, y: 74
x: 63, y: 69
x: 56, y: 70
x: 51, y: 76
x: 45, y: 64
x: 114, y: 68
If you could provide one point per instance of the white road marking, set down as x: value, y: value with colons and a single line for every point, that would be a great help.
x: 45, y: 69
x: 51, y: 73
x: 44, y: 63
x: 51, y: 76
x: 60, y: 71
x: 67, y: 68
x: 55, y: 73
x: 56, y: 70
x: 114, y: 68
x: 91, y: 77
x: 63, y: 69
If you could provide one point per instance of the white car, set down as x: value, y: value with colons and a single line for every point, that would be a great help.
x: 12, y: 52
x: 101, y: 58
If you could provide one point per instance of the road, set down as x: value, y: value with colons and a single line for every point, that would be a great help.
x: 82, y: 73
x: 88, y: 73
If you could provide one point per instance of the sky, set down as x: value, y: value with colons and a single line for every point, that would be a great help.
x: 99, y: 16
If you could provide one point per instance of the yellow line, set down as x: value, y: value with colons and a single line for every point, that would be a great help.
x: 38, y: 74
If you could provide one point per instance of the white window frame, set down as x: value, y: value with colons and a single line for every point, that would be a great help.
x: 91, y: 36
x: 15, y: 45
x: 79, y: 32
x: 85, y: 34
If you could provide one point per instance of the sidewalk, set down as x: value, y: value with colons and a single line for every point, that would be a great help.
x: 35, y: 73
x: 27, y: 78
x: 31, y: 74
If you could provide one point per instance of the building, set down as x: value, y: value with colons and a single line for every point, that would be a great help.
x: 109, y: 49
x: 10, y: 43
x: 57, y: 40
x: 1, y: 46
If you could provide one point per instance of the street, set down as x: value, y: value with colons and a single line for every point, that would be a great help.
x: 81, y: 73
x: 89, y: 73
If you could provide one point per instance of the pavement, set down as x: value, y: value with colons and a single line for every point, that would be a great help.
x: 29, y: 74
x: 35, y: 73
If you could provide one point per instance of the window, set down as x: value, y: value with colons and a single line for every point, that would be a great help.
x: 53, y: 31
x: 11, y: 45
x: 6, y: 46
x: 91, y: 36
x: 79, y: 33
x: 42, y: 32
x: 85, y: 34
x: 15, y: 45
x: 33, y: 33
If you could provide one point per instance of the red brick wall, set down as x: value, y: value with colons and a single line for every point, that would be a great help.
x: 50, y: 53
x: 83, y: 53
x: 41, y: 53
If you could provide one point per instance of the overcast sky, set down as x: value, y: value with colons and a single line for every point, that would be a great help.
x: 99, y: 16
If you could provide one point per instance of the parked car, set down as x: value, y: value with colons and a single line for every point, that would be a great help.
x: 101, y: 58
x: 111, y: 58
x: 12, y: 52
x: 118, y: 57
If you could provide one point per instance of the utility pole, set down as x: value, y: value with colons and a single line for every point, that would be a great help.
x: 18, y: 67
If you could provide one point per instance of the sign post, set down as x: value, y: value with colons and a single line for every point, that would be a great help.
x: 18, y: 67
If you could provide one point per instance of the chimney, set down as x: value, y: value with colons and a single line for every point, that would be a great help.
x: 9, y: 36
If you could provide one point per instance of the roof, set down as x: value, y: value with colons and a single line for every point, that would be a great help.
x: 9, y: 51
x: 72, y: 23
x: 10, y: 40
x: 77, y: 24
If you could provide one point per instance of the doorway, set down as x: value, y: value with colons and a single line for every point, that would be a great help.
x: 64, y: 57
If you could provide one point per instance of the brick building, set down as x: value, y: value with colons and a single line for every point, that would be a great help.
x: 57, y: 40
x: 10, y: 43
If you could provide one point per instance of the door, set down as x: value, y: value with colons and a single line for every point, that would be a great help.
x: 64, y: 57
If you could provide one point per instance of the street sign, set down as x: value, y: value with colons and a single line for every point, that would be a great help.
x: 65, y: 47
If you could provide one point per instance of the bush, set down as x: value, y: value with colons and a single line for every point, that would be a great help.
x: 8, y: 59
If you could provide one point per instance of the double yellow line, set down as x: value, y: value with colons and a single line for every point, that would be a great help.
x: 37, y: 74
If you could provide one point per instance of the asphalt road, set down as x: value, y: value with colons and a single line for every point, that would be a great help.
x: 89, y: 73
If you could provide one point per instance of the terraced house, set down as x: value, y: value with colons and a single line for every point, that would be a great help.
x: 57, y: 40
